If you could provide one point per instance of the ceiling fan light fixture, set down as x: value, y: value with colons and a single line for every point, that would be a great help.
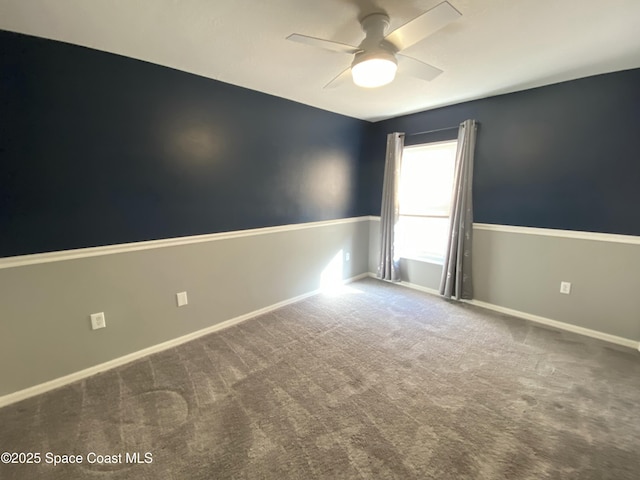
x: 374, y: 70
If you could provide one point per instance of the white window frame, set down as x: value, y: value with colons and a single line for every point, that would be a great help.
x: 439, y: 260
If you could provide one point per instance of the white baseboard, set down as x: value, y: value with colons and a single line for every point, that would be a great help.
x: 534, y: 318
x: 559, y: 325
x: 116, y: 362
x: 74, y: 377
x: 431, y: 291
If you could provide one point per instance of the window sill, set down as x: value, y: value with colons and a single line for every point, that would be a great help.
x: 434, y: 261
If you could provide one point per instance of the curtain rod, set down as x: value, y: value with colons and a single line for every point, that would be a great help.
x: 431, y: 131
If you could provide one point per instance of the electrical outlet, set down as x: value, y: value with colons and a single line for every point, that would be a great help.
x: 181, y: 298
x: 347, y: 256
x: 98, y: 321
x: 565, y: 287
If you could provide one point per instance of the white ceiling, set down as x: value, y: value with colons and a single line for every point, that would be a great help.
x: 497, y: 46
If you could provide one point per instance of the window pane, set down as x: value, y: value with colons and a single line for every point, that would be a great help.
x: 420, y: 237
x: 426, y: 179
x: 426, y: 183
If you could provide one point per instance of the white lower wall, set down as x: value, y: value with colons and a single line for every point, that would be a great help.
x: 45, y: 329
x: 414, y: 272
x: 518, y: 270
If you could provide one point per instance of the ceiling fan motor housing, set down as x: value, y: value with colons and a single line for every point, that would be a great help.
x: 375, y: 63
x: 374, y: 46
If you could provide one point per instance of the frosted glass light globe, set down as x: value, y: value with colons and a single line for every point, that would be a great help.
x: 374, y: 72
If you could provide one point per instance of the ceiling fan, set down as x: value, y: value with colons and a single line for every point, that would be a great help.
x: 376, y: 59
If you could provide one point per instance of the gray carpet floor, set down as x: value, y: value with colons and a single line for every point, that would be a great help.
x: 375, y: 382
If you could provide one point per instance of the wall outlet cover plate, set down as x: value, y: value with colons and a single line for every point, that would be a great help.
x: 565, y: 287
x: 181, y: 298
x: 98, y: 321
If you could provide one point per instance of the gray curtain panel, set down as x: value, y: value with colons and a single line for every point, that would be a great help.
x: 456, y: 273
x: 389, y: 266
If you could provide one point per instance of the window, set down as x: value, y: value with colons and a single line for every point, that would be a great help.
x: 426, y: 184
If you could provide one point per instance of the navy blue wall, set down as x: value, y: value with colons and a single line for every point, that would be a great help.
x: 98, y: 149
x: 564, y: 156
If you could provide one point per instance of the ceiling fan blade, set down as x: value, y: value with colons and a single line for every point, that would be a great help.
x: 342, y: 78
x: 421, y: 27
x: 325, y: 44
x: 416, y: 68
